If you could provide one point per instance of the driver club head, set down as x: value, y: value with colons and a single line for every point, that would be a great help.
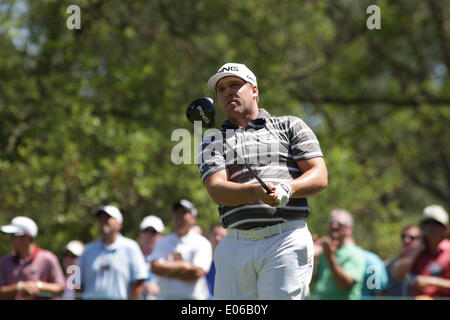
x: 202, y: 109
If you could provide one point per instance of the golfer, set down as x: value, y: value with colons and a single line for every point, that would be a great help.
x: 268, y: 252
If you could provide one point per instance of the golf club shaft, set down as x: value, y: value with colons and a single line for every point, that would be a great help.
x: 252, y: 172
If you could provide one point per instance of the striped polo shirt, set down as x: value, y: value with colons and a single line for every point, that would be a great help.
x: 271, y: 145
x: 41, y: 265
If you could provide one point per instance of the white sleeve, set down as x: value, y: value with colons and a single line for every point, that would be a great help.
x: 158, y: 251
x: 203, y: 255
x: 139, y: 267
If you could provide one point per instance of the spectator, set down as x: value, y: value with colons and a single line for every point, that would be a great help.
x: 182, y: 258
x: 29, y: 271
x: 72, y: 252
x: 152, y: 229
x: 375, y: 280
x: 198, y: 229
x: 112, y: 267
x: 340, y: 270
x: 429, y: 260
x: 216, y: 235
x: 402, y: 287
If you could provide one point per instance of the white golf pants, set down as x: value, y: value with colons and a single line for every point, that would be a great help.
x: 277, y: 267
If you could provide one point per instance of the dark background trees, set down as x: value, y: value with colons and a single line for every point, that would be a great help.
x: 86, y: 116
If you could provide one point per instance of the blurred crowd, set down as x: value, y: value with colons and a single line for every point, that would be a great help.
x: 180, y: 265
x: 344, y: 270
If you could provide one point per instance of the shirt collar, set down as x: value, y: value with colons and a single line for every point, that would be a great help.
x: 257, y: 123
x: 28, y: 259
x: 113, y: 246
x: 187, y: 235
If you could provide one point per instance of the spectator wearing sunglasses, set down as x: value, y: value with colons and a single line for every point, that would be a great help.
x: 151, y: 230
x: 341, y: 266
x: 429, y: 260
x: 410, y: 235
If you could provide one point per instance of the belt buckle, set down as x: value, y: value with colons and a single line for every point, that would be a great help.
x: 252, y: 234
x: 263, y: 234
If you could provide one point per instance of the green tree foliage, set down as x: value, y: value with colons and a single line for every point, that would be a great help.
x: 87, y: 115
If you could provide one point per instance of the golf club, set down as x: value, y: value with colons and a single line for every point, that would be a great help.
x: 202, y: 109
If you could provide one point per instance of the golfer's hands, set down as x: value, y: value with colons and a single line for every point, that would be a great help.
x: 283, y: 192
x: 271, y: 199
x: 279, y: 196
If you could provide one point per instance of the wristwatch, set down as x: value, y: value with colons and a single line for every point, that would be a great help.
x: 39, y: 285
x: 19, y: 286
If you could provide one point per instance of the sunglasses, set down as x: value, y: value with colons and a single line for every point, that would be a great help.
x: 340, y: 224
x: 150, y: 230
x: 408, y: 237
x: 431, y: 222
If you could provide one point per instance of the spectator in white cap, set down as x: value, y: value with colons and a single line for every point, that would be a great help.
x: 151, y: 230
x: 429, y: 260
x: 72, y: 252
x: 182, y: 258
x: 29, y: 271
x: 112, y: 267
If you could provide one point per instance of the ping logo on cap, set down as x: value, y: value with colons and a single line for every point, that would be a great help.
x: 230, y: 68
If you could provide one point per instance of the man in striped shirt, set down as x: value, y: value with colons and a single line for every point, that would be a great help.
x: 268, y: 252
x: 29, y: 272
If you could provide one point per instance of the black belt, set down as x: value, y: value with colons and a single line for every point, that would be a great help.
x: 226, y: 222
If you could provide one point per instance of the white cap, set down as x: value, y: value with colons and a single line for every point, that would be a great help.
x: 437, y: 213
x: 153, y: 222
x: 232, y: 69
x: 76, y: 247
x: 187, y: 206
x: 346, y: 217
x: 20, y: 226
x: 112, y: 211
